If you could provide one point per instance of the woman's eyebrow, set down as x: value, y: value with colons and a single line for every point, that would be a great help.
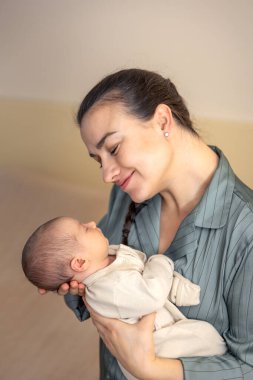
x: 102, y: 140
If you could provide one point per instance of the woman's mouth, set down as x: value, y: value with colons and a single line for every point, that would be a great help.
x: 123, y: 184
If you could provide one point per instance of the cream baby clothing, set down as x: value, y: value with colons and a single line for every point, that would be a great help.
x: 132, y: 286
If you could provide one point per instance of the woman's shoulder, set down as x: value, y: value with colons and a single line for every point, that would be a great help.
x: 240, y: 218
x: 244, y: 193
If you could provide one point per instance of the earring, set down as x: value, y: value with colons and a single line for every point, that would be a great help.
x: 166, y: 134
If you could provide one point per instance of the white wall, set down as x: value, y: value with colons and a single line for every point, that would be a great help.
x: 57, y: 49
x: 53, y: 51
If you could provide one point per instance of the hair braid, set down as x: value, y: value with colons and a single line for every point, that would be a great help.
x: 132, y: 212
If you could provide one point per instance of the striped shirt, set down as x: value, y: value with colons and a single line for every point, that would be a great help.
x: 213, y: 248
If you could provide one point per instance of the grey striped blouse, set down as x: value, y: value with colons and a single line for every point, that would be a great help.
x: 213, y: 248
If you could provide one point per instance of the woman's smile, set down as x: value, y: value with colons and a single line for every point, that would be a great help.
x: 123, y: 184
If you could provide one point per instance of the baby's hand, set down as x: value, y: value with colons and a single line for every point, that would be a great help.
x: 74, y: 288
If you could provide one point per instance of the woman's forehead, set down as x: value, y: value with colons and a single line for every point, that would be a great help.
x: 102, y: 120
x: 104, y: 113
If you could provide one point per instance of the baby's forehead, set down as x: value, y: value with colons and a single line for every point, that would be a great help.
x: 67, y: 224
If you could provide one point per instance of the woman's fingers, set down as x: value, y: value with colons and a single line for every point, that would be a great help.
x: 122, y: 339
x: 81, y: 289
x: 73, y: 288
x: 42, y: 291
x: 147, y: 322
x: 63, y: 289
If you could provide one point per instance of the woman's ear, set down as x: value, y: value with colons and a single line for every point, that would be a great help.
x: 78, y: 264
x: 163, y: 117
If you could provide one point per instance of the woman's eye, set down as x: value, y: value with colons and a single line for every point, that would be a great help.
x: 114, y: 150
x: 98, y: 161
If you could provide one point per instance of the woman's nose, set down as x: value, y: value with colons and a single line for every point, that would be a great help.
x: 110, y: 172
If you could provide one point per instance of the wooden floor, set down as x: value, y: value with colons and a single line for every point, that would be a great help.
x: 40, y: 337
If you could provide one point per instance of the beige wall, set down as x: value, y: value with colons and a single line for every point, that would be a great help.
x: 42, y: 137
x: 235, y: 139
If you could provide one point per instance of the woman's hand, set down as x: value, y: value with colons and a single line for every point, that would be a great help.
x: 73, y: 288
x: 130, y: 344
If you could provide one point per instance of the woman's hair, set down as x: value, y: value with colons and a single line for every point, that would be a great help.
x: 140, y: 92
x: 46, y: 256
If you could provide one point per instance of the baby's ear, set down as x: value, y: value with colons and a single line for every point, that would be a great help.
x: 78, y: 264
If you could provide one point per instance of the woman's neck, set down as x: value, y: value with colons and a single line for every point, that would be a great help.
x: 193, y: 168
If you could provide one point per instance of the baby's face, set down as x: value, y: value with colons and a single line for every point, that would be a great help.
x: 92, y: 241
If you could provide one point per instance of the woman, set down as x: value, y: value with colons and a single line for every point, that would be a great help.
x: 176, y: 196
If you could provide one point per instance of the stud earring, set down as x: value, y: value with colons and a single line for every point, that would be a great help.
x: 166, y: 134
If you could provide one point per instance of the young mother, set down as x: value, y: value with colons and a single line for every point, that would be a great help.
x: 176, y: 196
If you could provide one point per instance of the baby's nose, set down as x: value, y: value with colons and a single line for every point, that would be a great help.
x: 92, y: 224
x: 89, y: 225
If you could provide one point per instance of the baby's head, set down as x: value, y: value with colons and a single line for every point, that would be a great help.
x: 61, y: 250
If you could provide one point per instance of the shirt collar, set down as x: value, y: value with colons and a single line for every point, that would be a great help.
x: 211, y: 212
x: 213, y: 209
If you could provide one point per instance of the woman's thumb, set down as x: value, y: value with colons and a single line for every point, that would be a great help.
x: 147, y: 321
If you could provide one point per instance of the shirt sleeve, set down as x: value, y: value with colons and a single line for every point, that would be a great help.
x: 141, y: 294
x: 75, y: 303
x: 237, y: 363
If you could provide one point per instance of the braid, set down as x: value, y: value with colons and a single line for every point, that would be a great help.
x: 128, y: 222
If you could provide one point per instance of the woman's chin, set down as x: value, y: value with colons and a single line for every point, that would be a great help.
x: 138, y: 197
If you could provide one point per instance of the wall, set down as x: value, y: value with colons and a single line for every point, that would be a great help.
x: 235, y: 139
x: 42, y: 137
x: 57, y: 50
x: 54, y: 51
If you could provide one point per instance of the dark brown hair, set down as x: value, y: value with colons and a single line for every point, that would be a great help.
x: 46, y: 256
x: 140, y: 92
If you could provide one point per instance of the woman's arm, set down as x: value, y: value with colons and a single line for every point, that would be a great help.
x: 238, y: 294
x: 123, y: 340
x: 133, y: 344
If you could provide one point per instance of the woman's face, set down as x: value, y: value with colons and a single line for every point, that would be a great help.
x: 132, y: 153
